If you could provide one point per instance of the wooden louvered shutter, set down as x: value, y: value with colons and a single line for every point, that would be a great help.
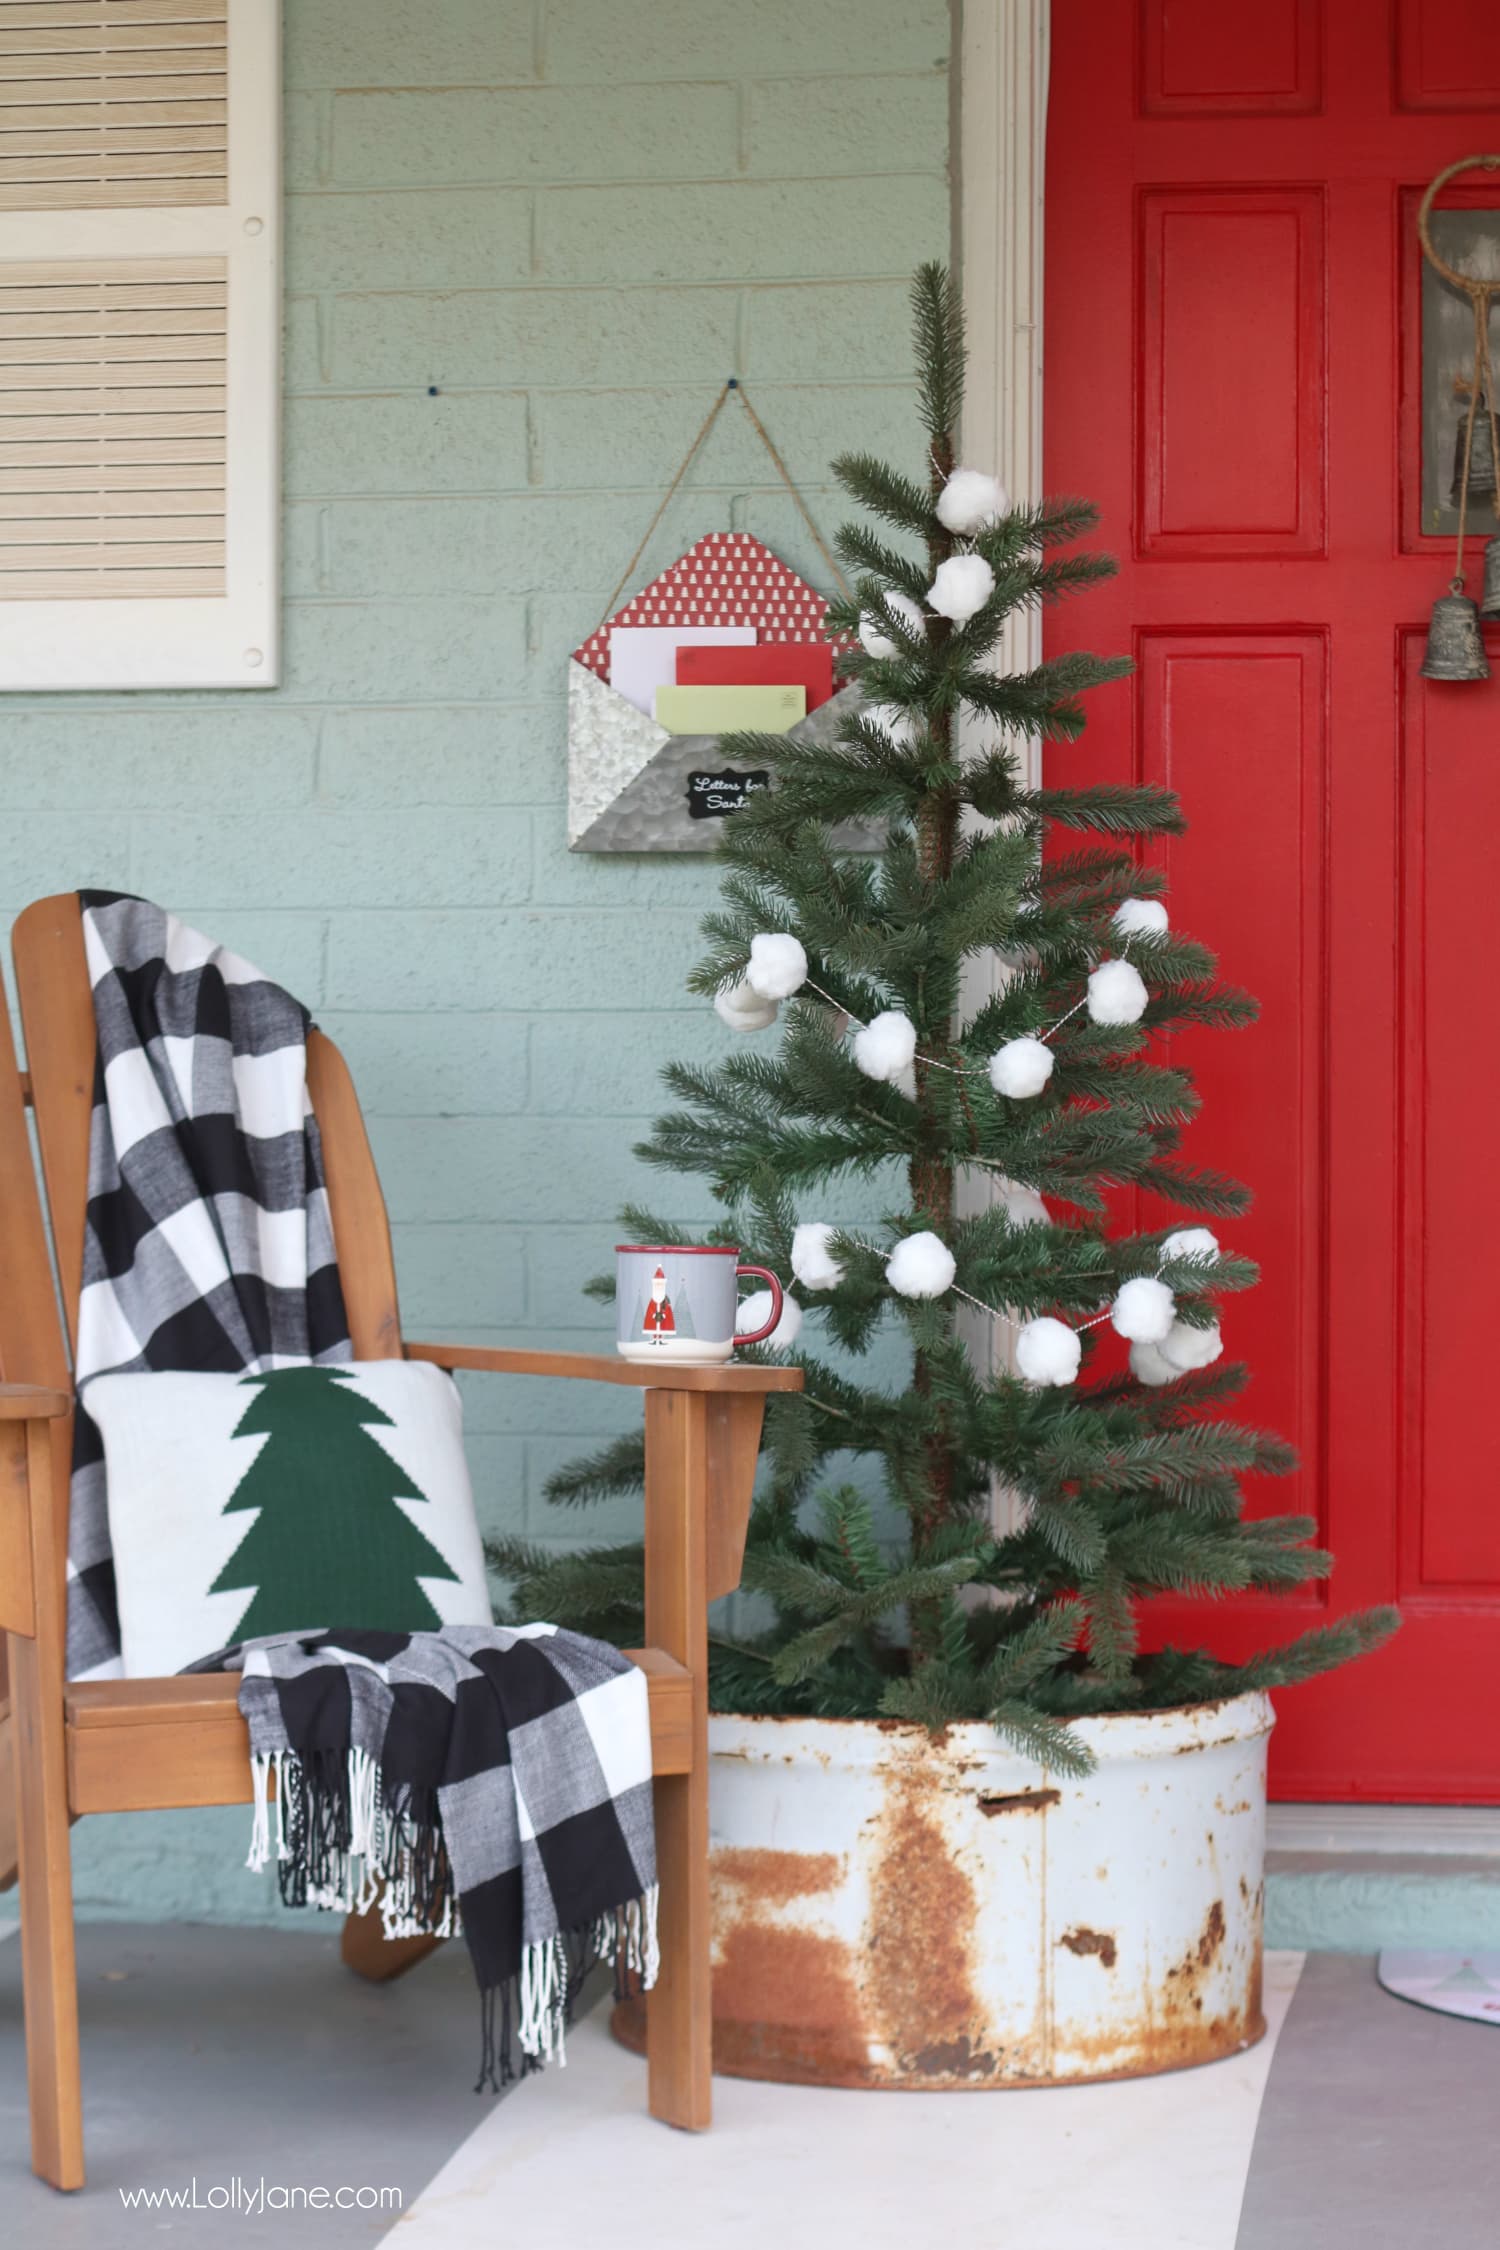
x: 139, y: 343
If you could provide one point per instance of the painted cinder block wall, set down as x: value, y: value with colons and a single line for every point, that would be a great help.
x: 524, y: 245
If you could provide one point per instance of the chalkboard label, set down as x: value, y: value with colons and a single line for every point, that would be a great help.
x: 711, y: 796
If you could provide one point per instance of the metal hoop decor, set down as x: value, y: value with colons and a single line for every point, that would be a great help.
x: 1464, y: 281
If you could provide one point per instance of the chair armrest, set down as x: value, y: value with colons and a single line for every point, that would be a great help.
x: 32, y: 1402
x: 601, y: 1367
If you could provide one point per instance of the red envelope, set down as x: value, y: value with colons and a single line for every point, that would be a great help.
x: 804, y: 664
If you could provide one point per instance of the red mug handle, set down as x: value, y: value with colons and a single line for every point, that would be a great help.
x: 761, y: 1273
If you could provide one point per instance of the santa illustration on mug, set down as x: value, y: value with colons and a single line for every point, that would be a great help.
x: 660, y: 1321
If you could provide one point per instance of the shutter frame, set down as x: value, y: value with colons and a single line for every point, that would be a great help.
x: 199, y: 640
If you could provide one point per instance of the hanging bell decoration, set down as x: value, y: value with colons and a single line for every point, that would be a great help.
x: 1489, y: 598
x: 1481, y: 456
x: 1455, y: 645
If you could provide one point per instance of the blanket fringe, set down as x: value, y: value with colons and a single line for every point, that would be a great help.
x: 344, y: 1844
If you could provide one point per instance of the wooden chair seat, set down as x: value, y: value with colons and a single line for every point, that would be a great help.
x: 68, y: 1749
x: 145, y: 1745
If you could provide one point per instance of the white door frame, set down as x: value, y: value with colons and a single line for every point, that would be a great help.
x: 1002, y: 153
x: 1003, y: 48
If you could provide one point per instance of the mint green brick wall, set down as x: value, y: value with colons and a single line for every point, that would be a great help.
x: 573, y: 219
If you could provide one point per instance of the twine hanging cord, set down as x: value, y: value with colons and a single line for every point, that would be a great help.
x: 733, y: 384
x: 1480, y: 295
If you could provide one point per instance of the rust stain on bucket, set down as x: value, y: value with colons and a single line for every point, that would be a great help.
x: 777, y: 1877
x: 923, y: 1909
x: 1021, y: 1800
x: 1099, y: 1942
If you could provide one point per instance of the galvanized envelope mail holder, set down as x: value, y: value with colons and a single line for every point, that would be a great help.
x: 633, y: 786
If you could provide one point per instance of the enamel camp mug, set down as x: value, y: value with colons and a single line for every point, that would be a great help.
x: 680, y: 1303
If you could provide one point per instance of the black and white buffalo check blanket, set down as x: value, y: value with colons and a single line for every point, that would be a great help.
x: 496, y: 1776
x: 493, y: 1778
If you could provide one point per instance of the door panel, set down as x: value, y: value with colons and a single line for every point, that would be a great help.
x: 1234, y: 372
x: 1263, y: 492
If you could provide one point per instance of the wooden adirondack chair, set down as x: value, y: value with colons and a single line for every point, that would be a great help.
x: 132, y: 1745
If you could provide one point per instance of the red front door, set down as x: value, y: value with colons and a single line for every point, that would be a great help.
x: 1234, y: 353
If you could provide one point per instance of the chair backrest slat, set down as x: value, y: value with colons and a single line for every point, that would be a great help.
x: 361, y: 1230
x: 32, y: 1345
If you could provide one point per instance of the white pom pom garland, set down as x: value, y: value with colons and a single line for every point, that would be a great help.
x: 1048, y: 1352
x: 960, y: 587
x: 1144, y: 1310
x: 971, y: 501
x: 755, y: 1310
x: 1138, y: 916
x: 1023, y: 1206
x: 778, y: 965
x: 873, y: 637
x: 1148, y: 1366
x: 743, y: 1009
x: 1184, y: 1348
x: 1117, y: 993
x: 1021, y: 1067
x: 812, y: 1261
x: 1190, y: 1242
x: 897, y: 725
x: 884, y: 1048
x: 921, y: 1266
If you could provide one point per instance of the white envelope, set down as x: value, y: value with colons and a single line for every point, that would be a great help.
x: 643, y: 658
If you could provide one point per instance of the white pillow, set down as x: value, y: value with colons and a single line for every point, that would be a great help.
x: 300, y: 1501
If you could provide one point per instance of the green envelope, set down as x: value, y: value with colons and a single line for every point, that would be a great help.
x: 727, y: 710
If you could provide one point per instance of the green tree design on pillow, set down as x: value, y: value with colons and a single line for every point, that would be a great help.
x: 330, y: 1545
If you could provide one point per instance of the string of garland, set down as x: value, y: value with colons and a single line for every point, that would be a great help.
x: 1049, y: 1351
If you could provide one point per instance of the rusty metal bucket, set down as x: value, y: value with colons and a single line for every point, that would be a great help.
x: 897, y: 1910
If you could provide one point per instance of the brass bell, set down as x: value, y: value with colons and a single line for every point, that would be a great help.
x: 1481, y: 458
x: 1455, y: 645
x: 1489, y: 597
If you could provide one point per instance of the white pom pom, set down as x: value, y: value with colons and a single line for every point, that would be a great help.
x: 876, y: 641
x: 1117, y: 993
x: 812, y: 1262
x: 1144, y: 1310
x: 1148, y: 1366
x: 1184, y: 1348
x: 960, y: 586
x: 1021, y: 1067
x: 778, y: 965
x: 1137, y: 916
x: 884, y: 1049
x: 755, y: 1310
x: 1048, y: 1352
x: 1190, y: 1242
x: 1023, y: 1206
x: 905, y: 1082
x: 921, y: 1266
x: 971, y: 501
x: 897, y: 725
x: 743, y: 1009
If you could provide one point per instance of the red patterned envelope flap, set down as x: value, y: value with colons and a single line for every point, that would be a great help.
x: 727, y: 578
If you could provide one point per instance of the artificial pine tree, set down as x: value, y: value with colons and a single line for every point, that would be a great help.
x: 1129, y: 1484
x: 329, y: 1545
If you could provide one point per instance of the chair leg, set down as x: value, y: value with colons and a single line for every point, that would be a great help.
x: 48, y: 1964
x: 679, y: 2011
x: 365, y: 1948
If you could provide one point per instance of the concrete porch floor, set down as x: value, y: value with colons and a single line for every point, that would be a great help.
x: 217, y: 2055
